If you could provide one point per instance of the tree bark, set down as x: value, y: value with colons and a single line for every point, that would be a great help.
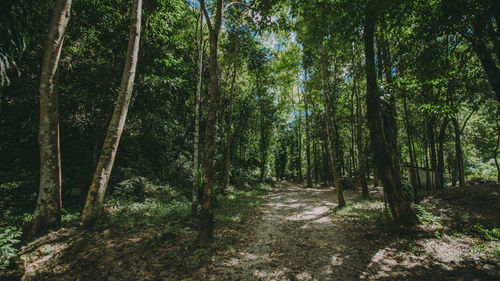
x: 308, y: 134
x: 95, y: 197
x: 401, y: 209
x: 196, y: 159
x: 495, y: 152
x: 329, y: 131
x: 206, y: 224
x: 432, y: 147
x: 440, y: 155
x: 489, y: 65
x: 359, y: 144
x: 393, y: 112
x: 230, y: 116
x: 299, y: 151
x: 48, y: 208
x: 413, y: 170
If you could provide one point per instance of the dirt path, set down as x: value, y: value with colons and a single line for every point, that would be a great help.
x: 295, y: 239
x: 300, y: 237
x: 296, y: 235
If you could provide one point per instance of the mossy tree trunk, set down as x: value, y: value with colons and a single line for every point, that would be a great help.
x: 48, y: 207
x: 206, y: 224
x: 401, y: 209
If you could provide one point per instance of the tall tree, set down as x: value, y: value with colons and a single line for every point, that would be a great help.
x: 308, y: 133
x: 359, y: 132
x: 48, y: 207
x: 95, y: 197
x: 329, y: 131
x: 196, y: 158
x: 230, y: 114
x: 401, y: 209
x: 206, y: 225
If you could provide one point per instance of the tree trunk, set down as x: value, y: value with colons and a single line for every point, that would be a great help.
x: 335, y: 174
x: 325, y: 158
x: 458, y: 152
x: 432, y: 147
x: 95, y: 197
x: 308, y: 134
x: 401, y: 209
x: 413, y: 171
x: 440, y: 155
x: 393, y: 112
x: 427, y: 173
x: 375, y: 174
x: 230, y: 116
x: 206, y: 225
x: 489, y: 66
x: 495, y: 152
x: 299, y: 161
x: 196, y: 158
x: 263, y: 146
x: 316, y: 166
x: 359, y: 141
x: 48, y: 208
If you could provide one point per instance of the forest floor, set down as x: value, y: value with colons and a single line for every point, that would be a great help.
x: 291, y: 233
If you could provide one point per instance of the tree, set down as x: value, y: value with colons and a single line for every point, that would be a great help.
x: 95, y: 197
x: 230, y: 117
x: 206, y: 227
x: 196, y: 158
x: 308, y: 133
x: 329, y: 131
x: 48, y: 207
x: 401, y: 209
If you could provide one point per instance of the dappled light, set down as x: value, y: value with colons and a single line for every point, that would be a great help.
x: 249, y: 140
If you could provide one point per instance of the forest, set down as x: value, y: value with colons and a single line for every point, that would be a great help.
x: 249, y: 140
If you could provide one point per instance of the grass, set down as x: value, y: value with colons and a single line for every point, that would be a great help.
x: 237, y: 207
x: 365, y: 211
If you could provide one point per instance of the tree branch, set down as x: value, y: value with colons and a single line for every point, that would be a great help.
x: 204, y: 10
x: 238, y: 3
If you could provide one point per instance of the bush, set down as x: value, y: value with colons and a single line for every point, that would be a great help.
x: 8, y: 239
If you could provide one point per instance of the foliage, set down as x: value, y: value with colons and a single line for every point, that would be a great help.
x: 9, y: 237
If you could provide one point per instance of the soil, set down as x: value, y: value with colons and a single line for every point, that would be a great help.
x: 296, y: 234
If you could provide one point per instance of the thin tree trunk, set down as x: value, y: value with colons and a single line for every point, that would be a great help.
x: 495, y: 152
x: 95, y: 197
x: 316, y: 167
x: 325, y: 158
x: 490, y: 67
x: 359, y: 144
x: 299, y: 166
x: 48, y: 207
x: 440, y: 155
x: 335, y: 174
x: 308, y: 134
x: 427, y: 173
x: 458, y: 152
x: 206, y: 225
x: 401, y: 209
x: 196, y: 159
x: 413, y: 176
x: 432, y: 146
x: 352, y: 169
x: 230, y: 117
